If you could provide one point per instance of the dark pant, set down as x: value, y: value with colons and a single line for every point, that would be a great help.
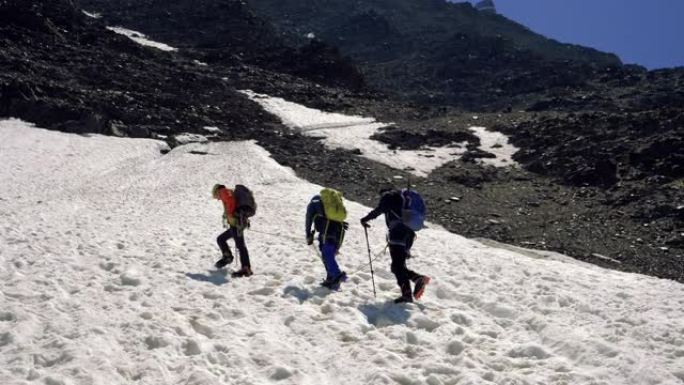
x: 328, y: 251
x: 400, y: 242
x: 239, y: 237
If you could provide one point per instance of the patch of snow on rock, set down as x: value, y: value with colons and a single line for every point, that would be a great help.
x: 495, y: 143
x: 354, y: 133
x: 211, y: 129
x: 92, y: 15
x: 186, y: 138
x: 141, y: 39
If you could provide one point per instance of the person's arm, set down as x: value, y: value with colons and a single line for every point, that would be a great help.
x: 310, y: 212
x: 381, y: 209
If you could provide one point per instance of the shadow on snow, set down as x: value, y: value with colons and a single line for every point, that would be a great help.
x: 303, y: 294
x: 386, y: 314
x: 217, y: 277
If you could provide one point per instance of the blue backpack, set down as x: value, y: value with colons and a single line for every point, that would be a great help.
x: 412, y: 210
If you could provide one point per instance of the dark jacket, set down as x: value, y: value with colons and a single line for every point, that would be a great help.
x: 328, y: 231
x: 390, y: 204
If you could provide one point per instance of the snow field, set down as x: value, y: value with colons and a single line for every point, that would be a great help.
x: 105, y: 254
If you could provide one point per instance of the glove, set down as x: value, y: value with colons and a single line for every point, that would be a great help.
x: 225, y: 221
x: 365, y: 224
x: 310, y: 238
x: 345, y: 225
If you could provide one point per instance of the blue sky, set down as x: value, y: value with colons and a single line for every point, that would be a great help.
x: 649, y: 33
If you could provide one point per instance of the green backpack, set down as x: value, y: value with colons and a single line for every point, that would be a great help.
x: 333, y: 205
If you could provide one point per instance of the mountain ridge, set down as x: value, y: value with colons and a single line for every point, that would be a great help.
x: 454, y: 53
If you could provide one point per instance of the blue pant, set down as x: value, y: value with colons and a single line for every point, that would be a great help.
x: 328, y: 251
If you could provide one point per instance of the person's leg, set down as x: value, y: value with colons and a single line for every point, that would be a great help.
x: 242, y: 248
x: 408, y: 240
x: 328, y: 251
x: 226, y: 255
x: 398, y: 267
x: 222, y: 241
x: 397, y: 247
x: 420, y: 280
x: 328, y: 278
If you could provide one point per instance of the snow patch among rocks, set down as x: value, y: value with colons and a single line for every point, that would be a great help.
x: 142, y: 39
x: 354, y: 133
x: 495, y: 143
x: 92, y: 15
x: 186, y: 138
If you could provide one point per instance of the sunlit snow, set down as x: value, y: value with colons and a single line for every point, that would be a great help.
x: 211, y: 129
x: 141, y: 38
x: 106, y: 247
x: 190, y: 138
x: 497, y: 144
x: 92, y: 15
x: 354, y: 132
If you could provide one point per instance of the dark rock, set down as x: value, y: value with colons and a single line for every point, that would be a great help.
x: 399, y: 138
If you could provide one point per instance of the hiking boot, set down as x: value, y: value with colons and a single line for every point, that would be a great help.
x: 244, y: 272
x: 420, y: 286
x: 341, y: 278
x: 226, y: 260
x: 335, y: 282
x: 404, y: 299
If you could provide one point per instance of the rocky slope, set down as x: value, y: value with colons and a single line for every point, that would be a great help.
x: 439, y: 52
x: 228, y: 32
x: 64, y: 70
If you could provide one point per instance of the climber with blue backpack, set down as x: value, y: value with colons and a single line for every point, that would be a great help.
x: 404, y: 215
x: 326, y: 212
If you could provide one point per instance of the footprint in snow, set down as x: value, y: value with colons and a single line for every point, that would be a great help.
x: 297, y: 292
x: 7, y: 317
x: 386, y: 314
x: 263, y: 291
x: 280, y: 373
x: 216, y: 277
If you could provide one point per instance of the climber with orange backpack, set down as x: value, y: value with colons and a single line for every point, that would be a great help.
x: 238, y: 207
x: 326, y: 212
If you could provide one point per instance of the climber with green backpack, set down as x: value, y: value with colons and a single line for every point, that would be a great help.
x: 327, y: 214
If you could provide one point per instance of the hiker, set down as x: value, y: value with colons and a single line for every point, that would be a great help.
x: 238, y: 206
x: 327, y: 214
x: 396, y: 204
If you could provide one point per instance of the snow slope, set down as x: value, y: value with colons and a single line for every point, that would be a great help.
x: 105, y: 246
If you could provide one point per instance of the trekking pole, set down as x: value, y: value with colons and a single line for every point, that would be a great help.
x: 370, y: 261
